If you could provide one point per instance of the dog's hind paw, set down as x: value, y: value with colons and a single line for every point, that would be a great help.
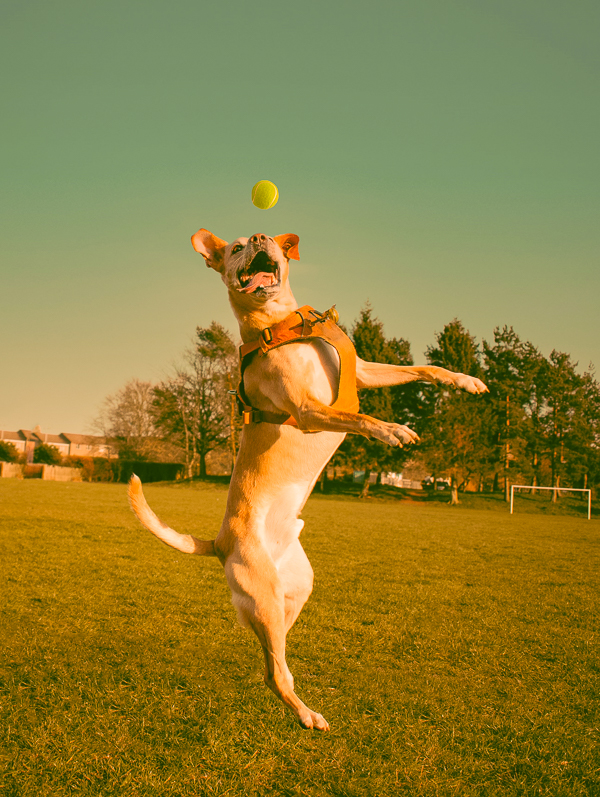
x: 312, y: 720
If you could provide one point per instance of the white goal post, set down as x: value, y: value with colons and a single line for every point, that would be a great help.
x: 514, y: 487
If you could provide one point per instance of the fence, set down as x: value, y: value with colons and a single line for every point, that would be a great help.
x: 11, y: 470
x: 94, y: 470
x: 56, y: 473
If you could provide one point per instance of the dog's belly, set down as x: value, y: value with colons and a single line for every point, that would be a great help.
x: 276, y: 469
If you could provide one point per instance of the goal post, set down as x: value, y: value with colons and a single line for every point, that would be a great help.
x: 514, y: 487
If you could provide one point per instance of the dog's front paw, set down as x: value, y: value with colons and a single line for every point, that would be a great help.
x: 470, y: 383
x: 394, y: 434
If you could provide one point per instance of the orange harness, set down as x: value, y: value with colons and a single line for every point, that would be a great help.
x: 304, y: 324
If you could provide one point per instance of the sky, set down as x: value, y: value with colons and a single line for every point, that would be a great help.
x: 438, y: 159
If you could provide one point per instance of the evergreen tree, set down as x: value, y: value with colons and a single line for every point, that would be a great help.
x: 567, y: 422
x: 534, y: 368
x: 584, y: 465
x: 454, y: 439
x: 456, y: 350
x: 381, y: 403
x: 512, y: 374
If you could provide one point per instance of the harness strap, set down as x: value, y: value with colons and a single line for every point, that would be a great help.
x: 304, y: 324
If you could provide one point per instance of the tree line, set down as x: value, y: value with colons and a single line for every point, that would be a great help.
x: 186, y: 415
x: 539, y: 424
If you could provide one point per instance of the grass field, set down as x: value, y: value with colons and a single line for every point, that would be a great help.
x: 453, y: 651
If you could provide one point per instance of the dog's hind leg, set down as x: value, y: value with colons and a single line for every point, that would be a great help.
x: 279, y: 679
x: 260, y: 600
x: 296, y: 576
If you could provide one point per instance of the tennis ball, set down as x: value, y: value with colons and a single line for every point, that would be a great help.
x: 265, y: 195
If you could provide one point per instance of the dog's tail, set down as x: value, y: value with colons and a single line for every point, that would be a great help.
x: 181, y: 542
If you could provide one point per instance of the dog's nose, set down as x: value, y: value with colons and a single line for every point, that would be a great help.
x: 259, y: 239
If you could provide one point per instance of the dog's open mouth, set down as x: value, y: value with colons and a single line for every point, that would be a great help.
x: 261, y: 273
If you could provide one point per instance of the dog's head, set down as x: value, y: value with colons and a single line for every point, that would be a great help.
x: 254, y: 269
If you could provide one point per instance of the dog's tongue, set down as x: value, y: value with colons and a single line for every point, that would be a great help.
x: 261, y: 280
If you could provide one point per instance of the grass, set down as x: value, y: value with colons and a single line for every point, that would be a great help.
x: 574, y: 504
x: 454, y: 652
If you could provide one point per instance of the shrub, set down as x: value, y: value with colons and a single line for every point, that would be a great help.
x: 47, y: 455
x: 100, y: 469
x: 93, y: 469
x: 33, y: 471
x: 8, y: 452
x: 103, y: 471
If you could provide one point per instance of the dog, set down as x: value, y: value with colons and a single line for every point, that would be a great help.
x: 294, y: 424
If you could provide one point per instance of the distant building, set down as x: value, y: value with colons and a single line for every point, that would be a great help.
x: 359, y: 477
x: 440, y: 484
x: 391, y: 478
x: 68, y: 444
x: 23, y: 440
x: 85, y: 445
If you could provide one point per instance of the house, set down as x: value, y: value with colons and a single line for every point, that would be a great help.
x: 23, y: 440
x: 394, y: 479
x: 68, y: 444
x: 57, y: 440
x: 85, y: 445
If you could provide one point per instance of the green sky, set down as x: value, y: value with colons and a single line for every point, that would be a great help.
x: 439, y: 159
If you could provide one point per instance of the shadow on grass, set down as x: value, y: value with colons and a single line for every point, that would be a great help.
x: 540, y: 503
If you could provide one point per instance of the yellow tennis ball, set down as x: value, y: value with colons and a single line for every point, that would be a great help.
x: 265, y: 195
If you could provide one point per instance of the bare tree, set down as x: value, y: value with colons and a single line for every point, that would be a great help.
x: 126, y: 422
x: 192, y: 408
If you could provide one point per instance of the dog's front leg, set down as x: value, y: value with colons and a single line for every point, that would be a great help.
x: 385, y: 375
x: 316, y: 417
x: 302, y: 384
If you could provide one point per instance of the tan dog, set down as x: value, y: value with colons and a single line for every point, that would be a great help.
x: 277, y: 466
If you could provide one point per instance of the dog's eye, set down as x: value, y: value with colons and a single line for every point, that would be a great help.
x: 236, y: 248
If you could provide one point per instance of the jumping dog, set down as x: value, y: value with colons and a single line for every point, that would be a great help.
x: 298, y: 393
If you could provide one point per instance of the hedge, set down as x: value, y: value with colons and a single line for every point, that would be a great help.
x: 98, y: 469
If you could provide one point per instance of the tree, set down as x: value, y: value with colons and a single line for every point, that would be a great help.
x: 456, y: 350
x: 534, y: 368
x: 127, y: 424
x: 8, y: 452
x: 586, y: 433
x: 47, y: 454
x: 172, y: 410
x: 513, y: 370
x: 382, y: 403
x: 545, y: 416
x: 192, y: 408
x: 568, y: 424
x: 407, y: 399
x: 454, y: 438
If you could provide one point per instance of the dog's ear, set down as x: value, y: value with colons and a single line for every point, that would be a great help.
x: 289, y: 245
x: 210, y: 247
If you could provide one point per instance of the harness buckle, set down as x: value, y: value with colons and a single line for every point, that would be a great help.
x: 251, y: 415
x: 267, y: 335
